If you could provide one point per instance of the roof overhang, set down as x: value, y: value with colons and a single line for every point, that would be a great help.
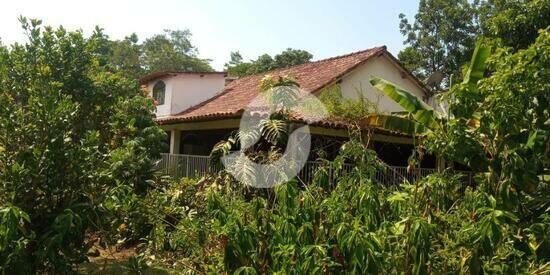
x: 161, y: 74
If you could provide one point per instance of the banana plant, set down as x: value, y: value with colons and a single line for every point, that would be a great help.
x: 420, y: 117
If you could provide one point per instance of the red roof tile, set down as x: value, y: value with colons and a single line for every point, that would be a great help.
x: 311, y: 77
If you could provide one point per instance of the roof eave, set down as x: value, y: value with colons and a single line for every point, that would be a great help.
x: 160, y: 74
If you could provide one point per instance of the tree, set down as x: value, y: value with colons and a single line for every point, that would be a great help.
x: 172, y: 50
x: 235, y: 59
x: 514, y: 23
x: 264, y: 63
x: 72, y: 131
x: 423, y: 120
x: 496, y: 124
x: 236, y: 66
x: 126, y: 55
x: 291, y: 57
x: 441, y: 38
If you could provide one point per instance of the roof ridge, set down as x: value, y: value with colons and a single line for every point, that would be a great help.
x: 383, y: 47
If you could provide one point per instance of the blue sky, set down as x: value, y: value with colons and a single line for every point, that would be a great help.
x: 324, y: 28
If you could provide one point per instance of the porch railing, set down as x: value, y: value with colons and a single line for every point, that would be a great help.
x: 178, y: 166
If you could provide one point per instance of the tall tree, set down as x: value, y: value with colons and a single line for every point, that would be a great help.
x: 172, y: 50
x: 292, y: 57
x: 441, y: 38
x: 126, y: 55
x: 236, y: 66
x: 287, y: 58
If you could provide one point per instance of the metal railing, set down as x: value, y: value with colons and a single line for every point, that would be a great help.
x: 191, y: 166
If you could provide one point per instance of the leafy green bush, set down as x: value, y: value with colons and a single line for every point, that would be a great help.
x: 71, y: 131
x: 352, y: 225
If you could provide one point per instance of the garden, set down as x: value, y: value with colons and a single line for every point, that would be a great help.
x: 79, y: 142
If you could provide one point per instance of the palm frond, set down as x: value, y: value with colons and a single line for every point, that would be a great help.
x: 221, y: 149
x: 273, y: 130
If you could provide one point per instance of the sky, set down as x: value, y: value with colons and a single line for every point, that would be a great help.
x: 324, y: 28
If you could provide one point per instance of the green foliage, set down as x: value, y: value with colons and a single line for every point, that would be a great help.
x: 396, y: 123
x: 264, y: 63
x: 422, y: 118
x: 441, y: 38
x: 77, y: 140
x: 126, y: 56
x: 514, y: 23
x: 14, y: 237
x: 136, y: 265
x: 172, y: 51
x: 416, y: 107
x: 169, y: 51
x: 72, y: 129
x: 272, y: 132
x: 351, y: 225
x: 348, y: 109
x: 511, y: 113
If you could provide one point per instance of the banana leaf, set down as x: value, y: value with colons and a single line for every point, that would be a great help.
x: 476, y: 70
x: 420, y: 111
x: 394, y: 123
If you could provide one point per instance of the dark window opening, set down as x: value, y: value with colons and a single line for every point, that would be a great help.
x: 159, y: 91
x: 398, y: 154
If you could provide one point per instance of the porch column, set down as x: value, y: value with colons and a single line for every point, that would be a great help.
x: 175, y: 139
x: 440, y: 163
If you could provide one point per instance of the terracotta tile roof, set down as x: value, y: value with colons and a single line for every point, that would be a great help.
x: 312, y: 77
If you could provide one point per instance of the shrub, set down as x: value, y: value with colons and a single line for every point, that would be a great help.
x: 71, y: 131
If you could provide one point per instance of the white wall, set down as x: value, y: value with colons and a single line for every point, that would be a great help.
x: 191, y: 89
x: 382, y: 67
x: 164, y: 109
x: 186, y: 90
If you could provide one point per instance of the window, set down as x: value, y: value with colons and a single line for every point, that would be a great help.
x: 159, y: 91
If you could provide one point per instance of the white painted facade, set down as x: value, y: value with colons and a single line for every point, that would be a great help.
x: 186, y: 90
x: 381, y: 66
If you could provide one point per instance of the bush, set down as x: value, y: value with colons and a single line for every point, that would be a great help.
x: 71, y: 132
x: 352, y: 225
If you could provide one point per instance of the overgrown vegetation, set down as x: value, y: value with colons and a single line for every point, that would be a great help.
x: 74, y: 136
x: 78, y: 140
x: 354, y: 224
x: 443, y: 34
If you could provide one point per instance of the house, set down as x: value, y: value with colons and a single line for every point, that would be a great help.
x: 199, y: 109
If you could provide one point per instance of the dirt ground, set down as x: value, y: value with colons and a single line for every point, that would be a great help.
x: 114, y: 261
